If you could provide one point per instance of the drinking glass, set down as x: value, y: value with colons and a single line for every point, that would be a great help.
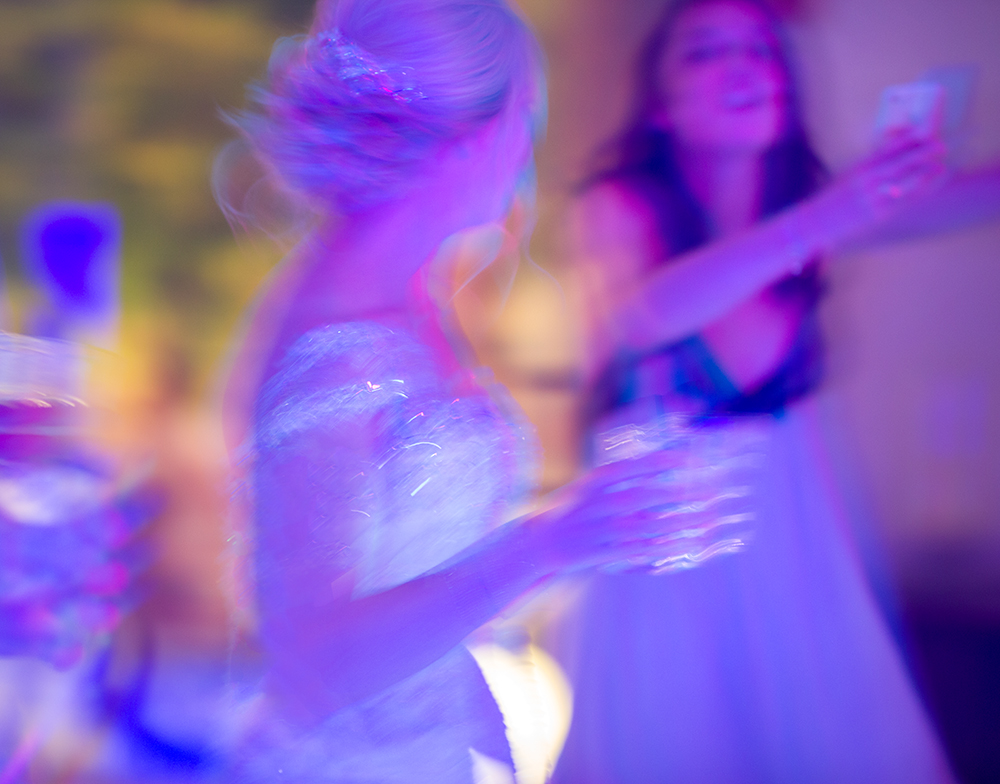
x: 719, y: 460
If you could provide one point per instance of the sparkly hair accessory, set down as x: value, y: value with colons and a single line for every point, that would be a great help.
x: 365, y: 75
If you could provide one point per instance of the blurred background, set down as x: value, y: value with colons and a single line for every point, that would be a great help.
x: 119, y: 101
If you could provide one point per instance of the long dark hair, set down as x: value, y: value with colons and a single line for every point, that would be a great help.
x: 644, y: 156
x: 644, y: 159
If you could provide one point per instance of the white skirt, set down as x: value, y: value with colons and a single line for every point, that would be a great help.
x: 772, y: 665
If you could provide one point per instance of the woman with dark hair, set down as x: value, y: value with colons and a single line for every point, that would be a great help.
x: 667, y: 183
x: 701, y: 251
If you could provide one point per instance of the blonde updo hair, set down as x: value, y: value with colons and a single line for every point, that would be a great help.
x: 349, y: 113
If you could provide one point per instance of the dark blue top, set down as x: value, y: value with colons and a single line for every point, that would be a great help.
x: 691, y: 370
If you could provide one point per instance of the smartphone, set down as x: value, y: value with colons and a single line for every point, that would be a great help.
x: 917, y: 106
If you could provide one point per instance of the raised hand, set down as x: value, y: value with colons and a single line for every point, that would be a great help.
x: 901, y: 171
x: 665, y: 510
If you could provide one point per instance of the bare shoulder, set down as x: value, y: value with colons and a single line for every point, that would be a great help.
x: 613, y: 210
x: 613, y: 198
x: 613, y: 238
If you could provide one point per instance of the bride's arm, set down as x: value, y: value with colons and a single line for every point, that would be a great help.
x: 339, y: 652
x: 327, y: 650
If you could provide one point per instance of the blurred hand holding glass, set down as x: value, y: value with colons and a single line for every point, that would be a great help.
x: 719, y: 462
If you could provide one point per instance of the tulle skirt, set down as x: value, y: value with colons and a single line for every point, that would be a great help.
x: 771, y: 665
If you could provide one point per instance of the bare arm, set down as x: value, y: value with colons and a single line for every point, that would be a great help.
x: 966, y: 199
x: 663, y: 303
x: 341, y: 651
x: 694, y: 290
x: 634, y: 300
x: 328, y: 650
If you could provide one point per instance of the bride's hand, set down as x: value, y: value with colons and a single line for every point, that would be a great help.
x: 902, y: 170
x: 621, y: 511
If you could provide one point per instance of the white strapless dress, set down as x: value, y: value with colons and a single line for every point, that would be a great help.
x: 441, y: 474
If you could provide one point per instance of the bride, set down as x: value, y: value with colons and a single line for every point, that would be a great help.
x: 378, y: 469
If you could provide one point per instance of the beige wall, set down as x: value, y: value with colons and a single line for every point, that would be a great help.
x: 913, y: 327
